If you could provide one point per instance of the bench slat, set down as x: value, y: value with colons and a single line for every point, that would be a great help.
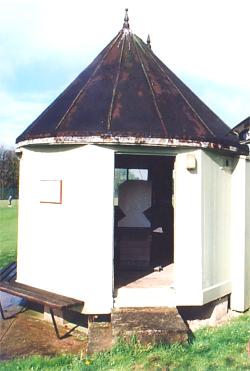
x: 39, y: 296
x: 44, y: 295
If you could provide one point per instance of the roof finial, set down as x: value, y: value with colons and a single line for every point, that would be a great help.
x: 149, y: 42
x: 126, y: 19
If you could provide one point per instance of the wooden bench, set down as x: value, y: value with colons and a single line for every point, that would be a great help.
x: 32, y: 294
x: 8, y: 273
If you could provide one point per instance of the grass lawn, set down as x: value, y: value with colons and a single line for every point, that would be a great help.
x: 8, y: 232
x: 221, y: 348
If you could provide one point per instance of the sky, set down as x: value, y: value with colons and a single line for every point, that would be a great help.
x: 45, y: 44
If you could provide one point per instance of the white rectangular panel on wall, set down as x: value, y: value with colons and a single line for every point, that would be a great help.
x: 65, y: 238
x: 51, y: 191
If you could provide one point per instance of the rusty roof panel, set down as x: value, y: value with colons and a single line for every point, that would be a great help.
x: 128, y: 92
x: 133, y: 110
x: 45, y: 125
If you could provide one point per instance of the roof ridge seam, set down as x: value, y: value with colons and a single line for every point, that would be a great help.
x: 87, y: 83
x: 183, y: 97
x: 152, y: 91
x: 115, y: 86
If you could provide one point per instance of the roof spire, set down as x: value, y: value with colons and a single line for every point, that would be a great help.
x: 126, y: 19
x: 149, y: 42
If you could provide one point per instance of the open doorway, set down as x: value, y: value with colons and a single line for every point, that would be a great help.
x: 144, y: 221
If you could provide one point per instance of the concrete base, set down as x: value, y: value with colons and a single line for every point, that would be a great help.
x: 149, y: 325
x: 210, y: 314
x: 99, y: 337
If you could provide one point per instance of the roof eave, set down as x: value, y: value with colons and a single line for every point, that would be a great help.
x: 132, y: 140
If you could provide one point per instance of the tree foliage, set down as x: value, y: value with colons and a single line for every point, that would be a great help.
x: 9, y: 173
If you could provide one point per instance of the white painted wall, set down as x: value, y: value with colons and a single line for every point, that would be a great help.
x: 67, y: 248
x: 216, y: 225
x: 240, y: 235
x: 202, y: 228
x: 187, y: 231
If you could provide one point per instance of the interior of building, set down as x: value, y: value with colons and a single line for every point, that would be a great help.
x: 144, y: 220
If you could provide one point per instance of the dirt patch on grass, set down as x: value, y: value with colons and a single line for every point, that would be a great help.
x: 27, y: 335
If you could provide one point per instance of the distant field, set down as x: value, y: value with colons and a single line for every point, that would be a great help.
x: 8, y: 232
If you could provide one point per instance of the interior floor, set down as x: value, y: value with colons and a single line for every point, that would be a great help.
x: 146, y: 279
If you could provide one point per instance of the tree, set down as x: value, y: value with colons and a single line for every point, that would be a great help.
x: 9, y: 173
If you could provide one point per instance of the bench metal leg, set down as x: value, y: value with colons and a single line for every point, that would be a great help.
x: 2, y: 312
x: 53, y: 320
x: 54, y: 323
x: 56, y: 327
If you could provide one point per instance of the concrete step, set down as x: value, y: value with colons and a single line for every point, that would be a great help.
x: 145, y: 297
x: 99, y: 337
x: 149, y: 325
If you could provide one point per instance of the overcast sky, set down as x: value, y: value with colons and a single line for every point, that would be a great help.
x: 45, y: 44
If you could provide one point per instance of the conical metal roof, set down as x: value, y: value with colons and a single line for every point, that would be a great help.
x: 128, y: 96
x: 242, y: 130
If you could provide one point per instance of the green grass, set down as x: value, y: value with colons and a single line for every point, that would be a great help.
x: 8, y: 232
x: 221, y: 348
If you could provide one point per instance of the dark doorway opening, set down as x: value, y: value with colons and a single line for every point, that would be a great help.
x: 144, y: 218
